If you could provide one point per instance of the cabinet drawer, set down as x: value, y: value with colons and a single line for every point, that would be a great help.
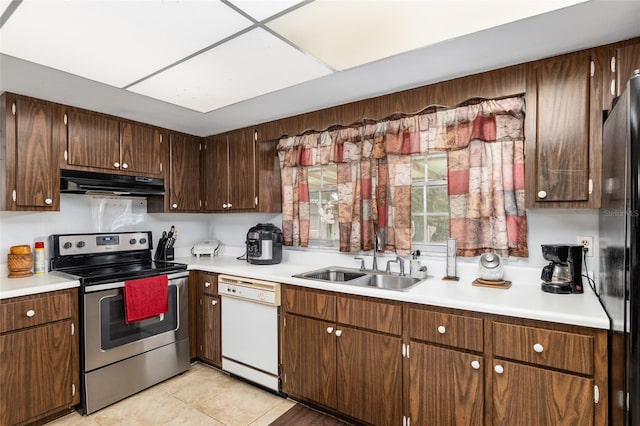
x: 447, y: 329
x: 35, y: 310
x: 558, y: 349
x: 310, y: 303
x: 208, y: 283
x: 374, y: 315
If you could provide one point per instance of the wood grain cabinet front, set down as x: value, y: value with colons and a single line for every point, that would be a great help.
x: 39, y: 372
x: 563, y: 129
x: 208, y: 319
x: 345, y: 365
x: 31, y: 180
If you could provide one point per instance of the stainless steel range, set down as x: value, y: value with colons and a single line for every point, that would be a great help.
x: 120, y: 357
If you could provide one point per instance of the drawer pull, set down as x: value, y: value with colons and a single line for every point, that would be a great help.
x: 338, y: 333
x: 329, y: 330
x: 31, y: 313
x: 538, y: 348
x: 498, y: 369
x: 475, y: 365
x: 542, y: 194
x: 207, y: 284
x: 441, y: 329
x: 214, y: 302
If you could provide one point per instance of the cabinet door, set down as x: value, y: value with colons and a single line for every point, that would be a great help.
x: 93, y: 141
x: 369, y: 376
x: 216, y: 174
x: 446, y: 386
x: 209, y: 332
x: 36, y: 372
x: 309, y: 361
x: 628, y: 60
x: 140, y: 148
x: 558, y: 98
x: 528, y: 396
x: 31, y: 145
x: 184, y: 183
x: 242, y: 170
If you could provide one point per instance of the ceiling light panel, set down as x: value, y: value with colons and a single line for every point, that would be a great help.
x: 247, y: 66
x: 263, y: 9
x: 345, y: 34
x: 115, y: 42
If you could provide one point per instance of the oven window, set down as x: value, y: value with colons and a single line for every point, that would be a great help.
x: 116, y: 332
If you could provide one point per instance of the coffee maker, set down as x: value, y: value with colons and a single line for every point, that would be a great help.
x: 563, y: 274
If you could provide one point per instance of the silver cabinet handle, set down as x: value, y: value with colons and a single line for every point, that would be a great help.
x: 338, y: 333
x: 175, y: 206
x: 329, y: 330
x: 475, y: 365
x: 125, y: 166
x: 116, y: 165
x: 538, y: 348
x: 31, y: 313
x: 48, y: 201
x: 542, y: 194
x: 498, y: 369
x: 442, y: 329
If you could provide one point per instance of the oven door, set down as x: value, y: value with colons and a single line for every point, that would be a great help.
x: 108, y: 338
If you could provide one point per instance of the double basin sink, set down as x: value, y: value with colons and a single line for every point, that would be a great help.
x: 340, y: 275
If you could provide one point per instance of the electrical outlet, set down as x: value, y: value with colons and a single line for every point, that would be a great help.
x: 586, y: 242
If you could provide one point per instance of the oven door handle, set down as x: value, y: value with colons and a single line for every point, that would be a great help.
x: 120, y: 284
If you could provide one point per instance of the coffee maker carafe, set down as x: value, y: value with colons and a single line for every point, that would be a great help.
x: 563, y: 274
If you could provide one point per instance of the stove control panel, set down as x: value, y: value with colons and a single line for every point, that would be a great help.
x: 74, y: 244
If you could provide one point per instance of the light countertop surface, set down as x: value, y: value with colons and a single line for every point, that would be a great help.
x: 524, y: 299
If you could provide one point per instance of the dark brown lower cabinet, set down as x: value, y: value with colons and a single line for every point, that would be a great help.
x: 209, y: 331
x: 531, y: 396
x: 446, y: 386
x: 39, y: 360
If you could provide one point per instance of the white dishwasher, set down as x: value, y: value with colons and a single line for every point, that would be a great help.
x: 250, y: 325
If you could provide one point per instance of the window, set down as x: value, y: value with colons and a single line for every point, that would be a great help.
x: 323, y: 205
x: 429, y: 199
x: 429, y: 202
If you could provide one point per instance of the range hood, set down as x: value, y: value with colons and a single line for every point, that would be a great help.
x: 92, y: 183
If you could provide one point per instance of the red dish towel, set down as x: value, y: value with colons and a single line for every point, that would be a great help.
x: 145, y: 298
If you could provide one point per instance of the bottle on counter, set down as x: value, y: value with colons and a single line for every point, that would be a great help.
x: 38, y: 258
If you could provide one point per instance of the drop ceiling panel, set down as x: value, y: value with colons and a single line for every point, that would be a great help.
x: 247, y: 66
x: 346, y: 34
x: 115, y: 42
x: 263, y: 9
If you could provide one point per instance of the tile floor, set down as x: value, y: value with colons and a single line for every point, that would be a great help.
x: 201, y: 396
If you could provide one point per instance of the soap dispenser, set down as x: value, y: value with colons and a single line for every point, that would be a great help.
x: 416, y: 270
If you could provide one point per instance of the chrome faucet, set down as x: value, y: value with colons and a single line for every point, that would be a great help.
x: 361, y: 259
x: 399, y: 261
x: 376, y: 242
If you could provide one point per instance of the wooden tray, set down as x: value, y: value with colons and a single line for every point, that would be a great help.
x: 492, y: 284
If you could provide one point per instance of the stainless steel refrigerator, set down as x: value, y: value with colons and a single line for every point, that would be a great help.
x: 619, y: 280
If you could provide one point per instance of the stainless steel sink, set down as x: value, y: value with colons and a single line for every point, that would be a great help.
x: 391, y: 282
x: 336, y: 274
x: 332, y: 274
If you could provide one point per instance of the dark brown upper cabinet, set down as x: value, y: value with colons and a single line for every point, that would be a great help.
x: 31, y: 182
x: 104, y: 143
x: 183, y: 184
x: 563, y: 130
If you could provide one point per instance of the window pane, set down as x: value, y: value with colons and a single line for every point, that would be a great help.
x: 417, y: 223
x: 437, y: 199
x: 437, y: 166
x: 417, y: 199
x: 438, y: 229
x: 417, y: 168
x: 315, y: 178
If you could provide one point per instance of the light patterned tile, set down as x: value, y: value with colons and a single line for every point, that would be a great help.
x: 200, y: 384
x: 74, y: 419
x: 240, y: 404
x: 152, y: 407
x: 278, y: 410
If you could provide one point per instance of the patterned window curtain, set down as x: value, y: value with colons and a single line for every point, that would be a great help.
x: 484, y: 140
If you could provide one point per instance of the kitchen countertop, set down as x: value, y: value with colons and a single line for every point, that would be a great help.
x: 523, y: 300
x: 51, y: 281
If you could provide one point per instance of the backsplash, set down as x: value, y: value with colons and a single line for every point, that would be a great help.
x: 106, y: 214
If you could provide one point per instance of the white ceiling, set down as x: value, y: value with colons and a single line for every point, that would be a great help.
x: 204, y: 67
